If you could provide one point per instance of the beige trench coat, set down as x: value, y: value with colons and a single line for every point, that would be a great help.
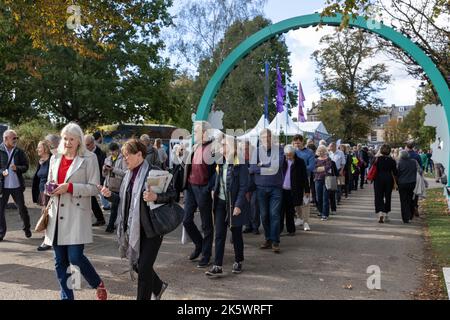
x: 75, y: 214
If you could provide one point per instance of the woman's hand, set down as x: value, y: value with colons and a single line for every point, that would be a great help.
x: 61, y: 189
x: 104, y: 191
x: 150, y: 196
x: 236, y: 211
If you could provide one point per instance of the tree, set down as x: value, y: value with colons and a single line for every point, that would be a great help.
x: 329, y: 114
x: 330, y: 111
x: 200, y: 25
x: 344, y: 77
x: 241, y: 96
x: 424, y: 22
x: 413, y: 124
x: 125, y: 81
x: 64, y: 22
x: 349, y: 9
x: 395, y: 134
x: 184, y: 101
x: 18, y: 64
x: 352, y: 8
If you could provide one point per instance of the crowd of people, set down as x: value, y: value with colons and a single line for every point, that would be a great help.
x: 233, y: 184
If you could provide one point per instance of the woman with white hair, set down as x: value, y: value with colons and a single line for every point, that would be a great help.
x: 324, y: 168
x: 73, y: 180
x: 295, y: 186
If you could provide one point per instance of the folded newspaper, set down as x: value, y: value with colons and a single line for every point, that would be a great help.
x: 158, y: 181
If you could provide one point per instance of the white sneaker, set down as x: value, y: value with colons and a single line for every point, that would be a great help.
x: 306, y: 227
x: 386, y: 218
x: 298, y: 222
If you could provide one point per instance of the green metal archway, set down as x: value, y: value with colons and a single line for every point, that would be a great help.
x: 271, y: 31
x: 398, y: 39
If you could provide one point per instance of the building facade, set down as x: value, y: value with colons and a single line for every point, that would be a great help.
x: 377, y: 134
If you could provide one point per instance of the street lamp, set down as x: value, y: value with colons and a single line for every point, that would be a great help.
x: 245, y: 125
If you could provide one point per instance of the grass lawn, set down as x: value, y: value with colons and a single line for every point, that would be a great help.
x: 438, y: 221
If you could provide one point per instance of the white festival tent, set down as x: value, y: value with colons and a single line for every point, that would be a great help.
x: 313, y: 127
x: 284, y: 124
x: 262, y: 123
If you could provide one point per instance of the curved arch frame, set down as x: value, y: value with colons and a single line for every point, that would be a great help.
x: 428, y: 66
x: 271, y: 31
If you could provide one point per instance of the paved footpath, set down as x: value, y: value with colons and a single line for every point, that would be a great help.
x: 330, y: 262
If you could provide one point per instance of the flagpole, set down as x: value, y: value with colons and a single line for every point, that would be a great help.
x: 287, y: 106
x: 267, y: 93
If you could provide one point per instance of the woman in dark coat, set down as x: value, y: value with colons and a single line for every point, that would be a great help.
x: 231, y: 185
x: 384, y: 182
x: 347, y: 170
x: 137, y: 241
x: 295, y: 185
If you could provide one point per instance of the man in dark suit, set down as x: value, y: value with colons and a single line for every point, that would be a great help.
x: 13, y: 164
x: 101, y: 156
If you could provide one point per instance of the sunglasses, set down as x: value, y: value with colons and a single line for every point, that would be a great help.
x: 15, y: 138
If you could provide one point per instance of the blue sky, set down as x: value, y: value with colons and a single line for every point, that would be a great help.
x: 302, y: 43
x: 278, y: 10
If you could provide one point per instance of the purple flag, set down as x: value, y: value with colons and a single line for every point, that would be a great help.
x: 301, y: 105
x: 280, y: 92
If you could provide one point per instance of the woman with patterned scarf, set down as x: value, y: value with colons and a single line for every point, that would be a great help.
x: 135, y: 234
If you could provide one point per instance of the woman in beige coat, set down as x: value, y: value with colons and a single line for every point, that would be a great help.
x: 76, y: 173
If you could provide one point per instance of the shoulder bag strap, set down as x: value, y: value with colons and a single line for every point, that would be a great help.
x: 10, y: 159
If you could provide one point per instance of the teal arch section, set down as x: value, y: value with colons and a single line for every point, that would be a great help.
x: 428, y: 66
x: 413, y: 50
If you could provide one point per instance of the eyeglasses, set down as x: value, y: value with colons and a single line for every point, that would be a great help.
x: 15, y: 138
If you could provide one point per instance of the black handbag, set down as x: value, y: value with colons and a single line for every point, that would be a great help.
x: 166, y: 218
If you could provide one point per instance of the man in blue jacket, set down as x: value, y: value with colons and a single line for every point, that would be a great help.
x: 267, y: 165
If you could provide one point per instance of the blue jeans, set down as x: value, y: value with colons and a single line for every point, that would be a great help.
x: 323, y: 202
x: 73, y: 254
x: 269, y: 199
x: 105, y: 203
